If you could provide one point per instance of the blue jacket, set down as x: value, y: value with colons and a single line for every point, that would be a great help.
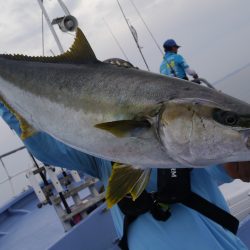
x: 185, y: 229
x: 173, y: 65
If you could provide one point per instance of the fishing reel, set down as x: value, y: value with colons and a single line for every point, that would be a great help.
x: 66, y: 23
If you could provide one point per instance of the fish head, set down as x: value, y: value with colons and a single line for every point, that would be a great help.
x: 203, y: 132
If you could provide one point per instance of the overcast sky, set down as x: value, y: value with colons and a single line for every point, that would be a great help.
x: 214, y: 34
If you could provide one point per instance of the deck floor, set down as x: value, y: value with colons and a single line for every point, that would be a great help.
x: 35, y: 230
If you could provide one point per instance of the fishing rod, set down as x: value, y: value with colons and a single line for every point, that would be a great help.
x: 117, y: 42
x: 134, y: 34
x: 232, y: 73
x: 149, y: 31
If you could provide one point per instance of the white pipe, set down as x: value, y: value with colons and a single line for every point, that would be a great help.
x: 50, y: 26
x: 63, y: 6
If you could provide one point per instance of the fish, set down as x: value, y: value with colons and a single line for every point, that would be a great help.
x: 140, y: 120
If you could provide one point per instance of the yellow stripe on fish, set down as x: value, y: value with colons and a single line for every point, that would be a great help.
x: 26, y: 129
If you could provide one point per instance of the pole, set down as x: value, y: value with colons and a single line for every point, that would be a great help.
x: 42, y: 33
x: 151, y: 34
x: 117, y: 42
x: 64, y: 7
x: 50, y: 26
x: 137, y: 44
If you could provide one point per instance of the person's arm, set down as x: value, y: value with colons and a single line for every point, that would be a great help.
x: 219, y: 174
x: 51, y: 151
x: 191, y: 72
x: 186, y: 67
x: 238, y: 170
x: 226, y: 173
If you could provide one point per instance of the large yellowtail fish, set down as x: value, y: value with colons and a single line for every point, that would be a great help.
x: 141, y: 120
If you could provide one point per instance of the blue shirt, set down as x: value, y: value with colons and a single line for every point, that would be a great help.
x: 186, y: 229
x: 173, y: 65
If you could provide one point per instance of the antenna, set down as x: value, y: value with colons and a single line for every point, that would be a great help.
x: 117, y: 42
x: 134, y: 34
x: 149, y: 31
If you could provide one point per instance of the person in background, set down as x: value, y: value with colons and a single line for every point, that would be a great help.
x: 185, y: 229
x: 173, y: 64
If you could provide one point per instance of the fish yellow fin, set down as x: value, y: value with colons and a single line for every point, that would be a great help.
x: 80, y: 52
x: 125, y: 128
x: 124, y: 180
x: 141, y: 184
x: 26, y: 129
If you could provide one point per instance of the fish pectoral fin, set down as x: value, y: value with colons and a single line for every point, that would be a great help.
x: 125, y: 180
x: 141, y: 184
x: 125, y: 128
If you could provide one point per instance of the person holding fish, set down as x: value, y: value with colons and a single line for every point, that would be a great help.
x: 155, y: 150
x: 146, y: 232
x: 173, y: 64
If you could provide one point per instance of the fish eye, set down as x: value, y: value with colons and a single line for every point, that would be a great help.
x: 230, y: 118
x: 226, y: 117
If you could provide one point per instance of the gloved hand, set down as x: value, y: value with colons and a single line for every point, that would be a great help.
x: 195, y: 76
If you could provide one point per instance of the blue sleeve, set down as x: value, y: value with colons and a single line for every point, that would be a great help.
x: 51, y: 151
x: 219, y: 174
x: 10, y: 119
x: 181, y: 61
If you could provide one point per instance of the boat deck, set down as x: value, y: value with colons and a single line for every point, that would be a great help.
x: 23, y: 226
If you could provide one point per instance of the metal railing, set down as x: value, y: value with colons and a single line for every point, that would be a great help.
x: 9, y: 177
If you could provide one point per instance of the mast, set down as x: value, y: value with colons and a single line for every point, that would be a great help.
x: 134, y: 34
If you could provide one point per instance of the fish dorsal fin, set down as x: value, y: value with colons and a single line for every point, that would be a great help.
x: 79, y: 53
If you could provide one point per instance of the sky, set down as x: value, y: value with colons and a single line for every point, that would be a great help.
x: 214, y: 35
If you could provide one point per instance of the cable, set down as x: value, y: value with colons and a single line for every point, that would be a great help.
x: 232, y: 74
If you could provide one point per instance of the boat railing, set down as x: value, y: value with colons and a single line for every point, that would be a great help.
x: 10, y: 175
x: 72, y: 196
